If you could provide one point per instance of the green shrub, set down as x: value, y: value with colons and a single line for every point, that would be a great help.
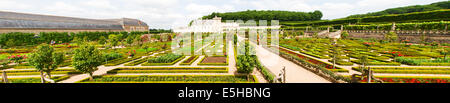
x: 170, y: 70
x: 165, y: 58
x: 173, y: 79
x: 121, y: 61
x: 423, y: 62
x: 137, y: 62
x: 112, y: 56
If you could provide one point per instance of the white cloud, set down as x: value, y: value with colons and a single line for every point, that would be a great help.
x: 99, y: 4
x: 174, y: 13
x: 11, y: 5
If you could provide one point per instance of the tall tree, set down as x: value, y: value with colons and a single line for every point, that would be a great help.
x: 113, y: 40
x: 86, y: 59
x: 102, y: 40
x: 45, y: 59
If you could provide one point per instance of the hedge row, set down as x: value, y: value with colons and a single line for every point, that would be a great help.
x: 36, y: 72
x: 343, y: 63
x: 164, y: 64
x: 428, y: 15
x: 304, y: 52
x: 137, y: 62
x: 314, y: 61
x: 21, y: 39
x: 269, y: 76
x: 36, y: 79
x: 410, y: 79
x: 169, y: 70
x: 401, y: 26
x: 378, y: 63
x: 192, y: 58
x: 327, y: 73
x: 408, y: 70
x: 411, y: 68
x: 121, y: 61
x: 173, y: 79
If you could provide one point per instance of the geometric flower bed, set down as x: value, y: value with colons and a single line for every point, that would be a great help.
x: 189, y: 61
x: 313, y: 60
x: 411, y: 79
x: 386, y: 54
x: 214, y: 61
x: 137, y: 62
x: 35, y: 79
x: 172, y: 79
x: 168, y: 59
x: 121, y: 61
x: 35, y: 72
x: 408, y: 70
x: 377, y: 63
x: 423, y: 62
x: 169, y: 70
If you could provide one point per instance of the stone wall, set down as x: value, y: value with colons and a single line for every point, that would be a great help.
x: 413, y: 36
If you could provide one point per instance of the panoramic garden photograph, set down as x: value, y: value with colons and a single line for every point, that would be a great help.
x: 304, y: 41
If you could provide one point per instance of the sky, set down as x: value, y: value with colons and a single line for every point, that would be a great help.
x: 167, y: 14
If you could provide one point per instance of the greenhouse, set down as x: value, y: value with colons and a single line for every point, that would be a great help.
x: 21, y: 22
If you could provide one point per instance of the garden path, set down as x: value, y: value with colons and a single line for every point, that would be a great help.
x: 294, y: 73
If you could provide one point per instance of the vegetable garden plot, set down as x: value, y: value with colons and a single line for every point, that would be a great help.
x: 214, y: 61
x: 174, y: 79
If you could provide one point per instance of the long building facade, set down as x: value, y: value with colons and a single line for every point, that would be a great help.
x: 216, y: 25
x: 35, y: 23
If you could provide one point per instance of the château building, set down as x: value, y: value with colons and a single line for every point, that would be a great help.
x: 216, y: 25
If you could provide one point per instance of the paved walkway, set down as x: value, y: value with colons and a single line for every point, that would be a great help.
x: 294, y: 73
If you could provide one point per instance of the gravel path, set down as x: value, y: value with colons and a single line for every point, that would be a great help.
x: 294, y: 73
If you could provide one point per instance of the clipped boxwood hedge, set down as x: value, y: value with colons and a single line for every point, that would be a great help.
x: 35, y: 79
x: 169, y: 70
x: 36, y: 72
x: 378, y: 63
x: 316, y: 61
x: 173, y: 79
x: 137, y: 62
x: 163, y: 64
x: 190, y: 62
x: 121, y: 61
x: 408, y: 70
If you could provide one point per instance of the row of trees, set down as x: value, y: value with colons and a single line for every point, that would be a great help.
x: 86, y: 59
x: 21, y: 39
x: 402, y: 26
x: 437, y: 15
x: 268, y: 15
x: 407, y: 9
